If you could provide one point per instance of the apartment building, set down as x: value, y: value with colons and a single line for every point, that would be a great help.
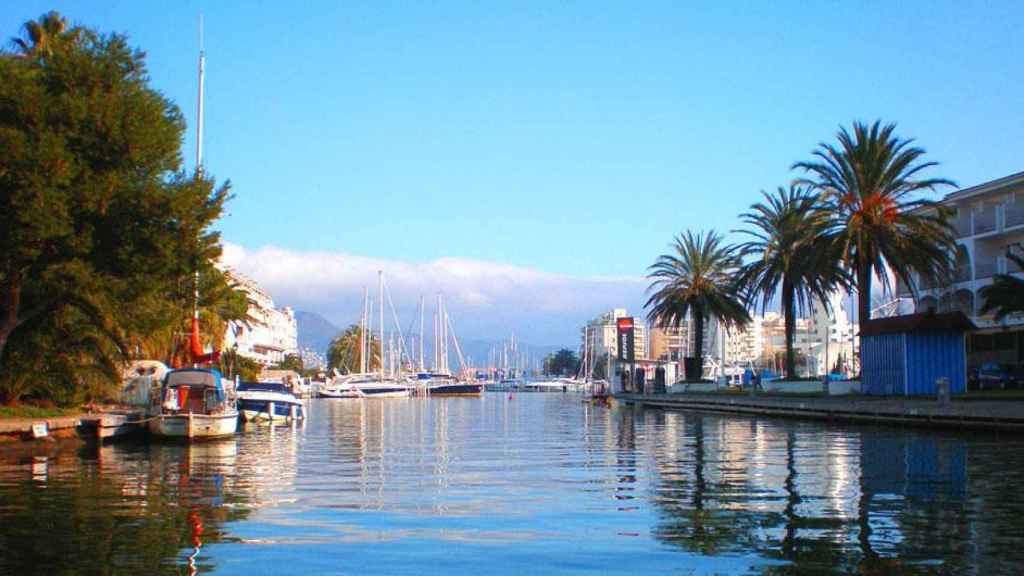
x: 989, y: 223
x: 269, y: 334
x: 600, y: 336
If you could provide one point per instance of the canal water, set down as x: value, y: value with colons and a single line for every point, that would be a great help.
x: 535, y: 484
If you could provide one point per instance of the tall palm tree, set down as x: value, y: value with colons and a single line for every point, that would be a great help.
x: 871, y: 184
x: 344, y: 352
x: 1005, y: 295
x: 42, y: 34
x: 792, y: 249
x: 698, y: 278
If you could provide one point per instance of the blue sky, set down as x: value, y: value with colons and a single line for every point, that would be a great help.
x: 574, y: 139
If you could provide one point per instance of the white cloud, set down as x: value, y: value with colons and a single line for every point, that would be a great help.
x: 488, y: 300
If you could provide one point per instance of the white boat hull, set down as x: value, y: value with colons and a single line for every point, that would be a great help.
x: 194, y: 426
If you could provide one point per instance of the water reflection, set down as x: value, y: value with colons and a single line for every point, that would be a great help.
x: 534, y: 483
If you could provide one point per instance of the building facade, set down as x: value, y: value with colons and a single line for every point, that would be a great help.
x: 269, y: 334
x: 988, y: 220
x: 599, y: 336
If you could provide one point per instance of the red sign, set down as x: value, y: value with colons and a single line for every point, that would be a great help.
x: 624, y: 324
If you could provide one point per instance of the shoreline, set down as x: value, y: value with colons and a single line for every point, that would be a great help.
x: 1000, y: 416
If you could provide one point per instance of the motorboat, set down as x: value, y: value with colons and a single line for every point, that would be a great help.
x: 268, y: 401
x: 194, y: 404
x: 439, y: 384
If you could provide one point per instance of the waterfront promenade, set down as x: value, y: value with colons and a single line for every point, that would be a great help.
x: 1004, y: 415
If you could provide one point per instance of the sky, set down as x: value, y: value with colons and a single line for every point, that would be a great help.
x: 533, y: 159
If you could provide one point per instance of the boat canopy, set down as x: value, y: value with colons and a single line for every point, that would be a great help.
x: 263, y: 387
x: 195, y: 378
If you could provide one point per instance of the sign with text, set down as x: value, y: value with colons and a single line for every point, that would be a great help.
x: 626, y: 339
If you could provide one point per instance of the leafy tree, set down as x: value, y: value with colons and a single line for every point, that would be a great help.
x: 292, y: 362
x: 698, y: 278
x: 344, y: 352
x: 1005, y: 295
x: 562, y: 362
x: 791, y: 246
x: 870, y: 184
x: 102, y: 230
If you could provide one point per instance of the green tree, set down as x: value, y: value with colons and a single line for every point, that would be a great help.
x: 1005, y: 295
x: 793, y: 255
x: 870, y: 183
x: 102, y: 230
x: 698, y: 278
x: 292, y: 362
x: 562, y: 362
x: 345, y: 351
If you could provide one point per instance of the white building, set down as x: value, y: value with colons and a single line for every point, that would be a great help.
x: 269, y: 334
x: 989, y: 223
x: 600, y: 335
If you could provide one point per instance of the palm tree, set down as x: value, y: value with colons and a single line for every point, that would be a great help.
x: 697, y: 279
x: 42, y: 34
x: 345, y: 353
x: 793, y: 248
x: 870, y: 184
x: 1005, y: 295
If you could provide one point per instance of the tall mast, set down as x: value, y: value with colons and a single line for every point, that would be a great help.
x: 364, y: 340
x: 199, y: 115
x: 380, y: 283
x: 421, y: 332
x: 199, y: 168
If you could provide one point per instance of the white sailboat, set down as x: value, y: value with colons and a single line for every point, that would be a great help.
x: 194, y: 403
x: 382, y: 385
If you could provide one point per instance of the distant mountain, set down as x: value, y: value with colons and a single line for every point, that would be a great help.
x: 315, y: 331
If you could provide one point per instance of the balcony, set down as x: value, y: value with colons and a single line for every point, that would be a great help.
x: 1014, y: 214
x: 962, y: 225
x: 985, y: 221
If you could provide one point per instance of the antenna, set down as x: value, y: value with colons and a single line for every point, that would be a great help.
x: 199, y: 113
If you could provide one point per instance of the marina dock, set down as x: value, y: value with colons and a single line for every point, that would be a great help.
x: 1000, y: 415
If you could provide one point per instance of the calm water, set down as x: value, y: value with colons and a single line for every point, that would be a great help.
x: 542, y: 483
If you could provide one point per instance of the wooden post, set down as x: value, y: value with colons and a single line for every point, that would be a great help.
x: 270, y: 411
x: 188, y: 433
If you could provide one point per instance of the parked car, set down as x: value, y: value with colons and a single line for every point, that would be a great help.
x: 992, y: 376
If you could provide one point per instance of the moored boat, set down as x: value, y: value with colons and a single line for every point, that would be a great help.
x: 447, y: 385
x: 193, y: 404
x: 268, y: 401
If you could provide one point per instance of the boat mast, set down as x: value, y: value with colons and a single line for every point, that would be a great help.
x: 421, y: 332
x: 363, y: 364
x: 380, y: 283
x: 199, y: 171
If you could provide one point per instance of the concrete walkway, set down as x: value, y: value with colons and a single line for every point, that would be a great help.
x: 1005, y: 415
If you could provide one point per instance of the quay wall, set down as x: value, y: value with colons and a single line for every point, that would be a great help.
x: 963, y: 415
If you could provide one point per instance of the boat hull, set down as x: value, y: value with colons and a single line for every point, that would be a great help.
x: 254, y: 410
x: 385, y: 392
x: 194, y: 426
x: 461, y: 389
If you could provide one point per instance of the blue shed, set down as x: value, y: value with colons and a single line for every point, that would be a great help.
x: 905, y: 355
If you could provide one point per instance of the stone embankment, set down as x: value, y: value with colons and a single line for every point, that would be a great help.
x: 999, y: 415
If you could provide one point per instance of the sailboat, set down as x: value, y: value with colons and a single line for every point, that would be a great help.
x: 440, y: 381
x: 380, y: 385
x: 195, y: 403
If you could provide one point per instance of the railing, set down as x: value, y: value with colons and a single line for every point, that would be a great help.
x: 984, y: 221
x: 962, y: 225
x: 1014, y: 214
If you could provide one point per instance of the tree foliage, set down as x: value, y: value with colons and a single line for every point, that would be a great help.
x: 563, y: 362
x: 1005, y: 295
x: 698, y: 278
x: 871, y: 183
x: 344, y: 352
x: 103, y: 229
x: 794, y: 254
